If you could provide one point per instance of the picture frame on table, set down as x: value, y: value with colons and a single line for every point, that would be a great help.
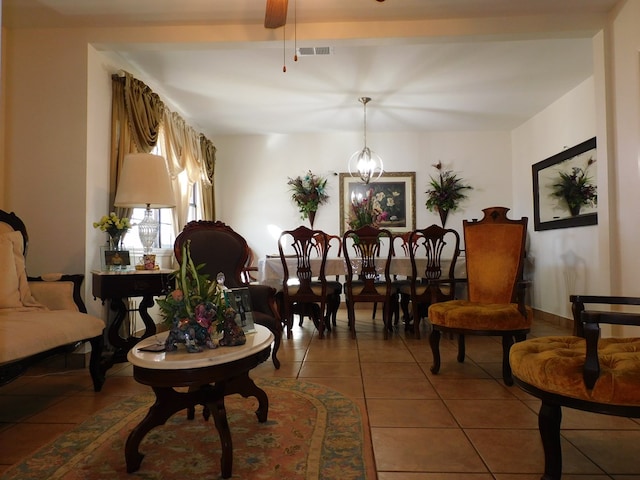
x: 551, y: 212
x: 240, y: 300
x: 394, y: 193
x: 114, y: 259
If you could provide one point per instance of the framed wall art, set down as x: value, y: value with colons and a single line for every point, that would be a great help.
x: 565, y: 188
x: 393, y: 196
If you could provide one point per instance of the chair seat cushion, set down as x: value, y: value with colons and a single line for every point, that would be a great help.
x: 555, y: 364
x: 421, y: 289
x: 479, y: 316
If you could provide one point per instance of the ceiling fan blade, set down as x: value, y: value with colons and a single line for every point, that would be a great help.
x: 276, y: 13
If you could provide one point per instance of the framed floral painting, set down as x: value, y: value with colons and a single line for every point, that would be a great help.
x: 389, y: 202
x: 565, y: 188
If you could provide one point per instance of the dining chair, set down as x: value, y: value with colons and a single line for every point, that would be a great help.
x: 428, y: 249
x: 368, y: 278
x: 221, y: 249
x: 494, y: 257
x: 304, y: 290
x: 334, y: 286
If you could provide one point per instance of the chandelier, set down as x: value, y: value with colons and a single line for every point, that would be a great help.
x: 365, y: 163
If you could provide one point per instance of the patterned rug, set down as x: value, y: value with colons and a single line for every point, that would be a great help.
x: 312, y: 432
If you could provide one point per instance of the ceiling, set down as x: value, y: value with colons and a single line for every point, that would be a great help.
x: 416, y: 83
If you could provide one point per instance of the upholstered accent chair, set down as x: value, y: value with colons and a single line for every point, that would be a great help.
x: 304, y: 290
x: 583, y: 371
x: 436, y: 247
x: 368, y: 279
x: 494, y: 256
x: 222, y: 249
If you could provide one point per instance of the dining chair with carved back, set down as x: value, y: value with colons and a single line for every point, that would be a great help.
x: 303, y: 290
x: 494, y: 259
x: 334, y: 286
x: 365, y: 281
x: 427, y: 285
x: 221, y: 249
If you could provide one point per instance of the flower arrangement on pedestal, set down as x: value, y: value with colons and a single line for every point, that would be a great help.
x: 195, y: 309
x: 445, y: 192
x: 115, y: 227
x: 308, y: 192
x: 364, y: 211
x: 575, y: 189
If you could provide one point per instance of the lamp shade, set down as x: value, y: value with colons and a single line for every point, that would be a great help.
x: 144, y: 181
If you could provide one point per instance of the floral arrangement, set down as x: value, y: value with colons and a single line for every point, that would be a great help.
x: 308, y: 192
x: 365, y: 210
x: 196, y: 306
x: 446, y: 191
x: 113, y: 225
x: 576, y: 189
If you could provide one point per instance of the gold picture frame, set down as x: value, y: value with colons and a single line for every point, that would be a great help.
x: 394, y: 192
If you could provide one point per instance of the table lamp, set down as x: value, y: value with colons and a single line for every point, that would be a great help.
x: 145, y: 183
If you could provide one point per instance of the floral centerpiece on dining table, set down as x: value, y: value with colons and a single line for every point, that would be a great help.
x: 308, y: 192
x: 115, y: 227
x: 195, y: 309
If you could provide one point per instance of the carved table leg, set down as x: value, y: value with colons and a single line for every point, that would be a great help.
x: 246, y: 387
x: 168, y: 402
x: 549, y: 419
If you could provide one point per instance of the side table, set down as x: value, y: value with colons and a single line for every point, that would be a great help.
x: 210, y: 375
x: 117, y: 286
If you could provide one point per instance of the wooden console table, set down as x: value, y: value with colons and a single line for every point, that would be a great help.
x: 210, y: 375
x: 117, y: 286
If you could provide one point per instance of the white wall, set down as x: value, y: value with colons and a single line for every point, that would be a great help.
x: 252, y: 174
x: 561, y: 261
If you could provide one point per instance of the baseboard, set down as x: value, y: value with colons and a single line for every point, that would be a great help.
x: 553, y: 319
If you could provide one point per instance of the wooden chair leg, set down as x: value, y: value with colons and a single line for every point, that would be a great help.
x: 507, y: 377
x: 462, y: 349
x: 549, y: 419
x: 434, y: 342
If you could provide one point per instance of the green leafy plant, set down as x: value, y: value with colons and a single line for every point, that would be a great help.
x: 195, y: 299
x: 576, y: 188
x: 446, y: 191
x: 308, y: 192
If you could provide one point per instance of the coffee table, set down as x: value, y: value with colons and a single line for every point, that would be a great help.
x: 209, y: 375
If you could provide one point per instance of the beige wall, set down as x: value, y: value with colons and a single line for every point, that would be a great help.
x: 54, y: 174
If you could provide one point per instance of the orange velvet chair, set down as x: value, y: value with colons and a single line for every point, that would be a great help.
x: 583, y: 371
x: 494, y: 256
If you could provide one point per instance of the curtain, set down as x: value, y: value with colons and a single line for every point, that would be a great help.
x: 140, y: 121
x: 208, y: 163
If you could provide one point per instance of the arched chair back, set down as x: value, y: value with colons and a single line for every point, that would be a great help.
x: 368, y: 278
x: 494, y: 257
x: 222, y: 249
x: 305, y: 284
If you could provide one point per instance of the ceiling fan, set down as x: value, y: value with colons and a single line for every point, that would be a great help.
x: 276, y: 13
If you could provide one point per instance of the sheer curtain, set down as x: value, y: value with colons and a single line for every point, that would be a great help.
x: 140, y: 122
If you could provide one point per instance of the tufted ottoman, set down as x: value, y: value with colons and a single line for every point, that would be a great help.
x: 591, y: 374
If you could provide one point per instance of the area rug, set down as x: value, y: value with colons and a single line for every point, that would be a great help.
x: 312, y: 432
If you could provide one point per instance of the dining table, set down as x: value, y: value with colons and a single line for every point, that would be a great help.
x: 270, y: 268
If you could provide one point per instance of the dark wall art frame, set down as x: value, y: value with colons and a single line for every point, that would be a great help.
x: 550, y: 212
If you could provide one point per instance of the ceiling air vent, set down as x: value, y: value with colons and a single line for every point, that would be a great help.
x: 310, y: 51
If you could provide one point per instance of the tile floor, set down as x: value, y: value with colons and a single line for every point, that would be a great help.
x: 462, y: 424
